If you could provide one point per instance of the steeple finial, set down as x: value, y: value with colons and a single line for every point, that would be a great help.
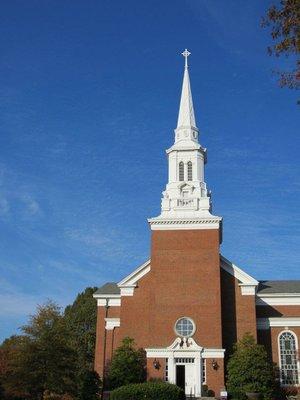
x: 186, y: 117
x: 185, y: 54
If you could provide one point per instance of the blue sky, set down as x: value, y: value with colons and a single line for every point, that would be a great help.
x: 89, y: 100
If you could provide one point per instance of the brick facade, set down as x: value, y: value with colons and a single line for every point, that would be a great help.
x: 186, y: 279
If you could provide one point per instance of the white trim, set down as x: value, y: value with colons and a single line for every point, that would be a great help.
x: 110, y: 302
x: 129, y: 283
x: 247, y: 283
x: 193, y: 323
x: 247, y: 290
x: 111, y: 323
x: 213, y: 353
x: 184, y: 223
x: 186, y: 347
x: 266, y: 323
x: 106, y: 296
x: 278, y: 299
x: 279, y: 355
x: 128, y: 290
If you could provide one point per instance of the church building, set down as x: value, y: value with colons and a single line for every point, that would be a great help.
x: 187, y: 304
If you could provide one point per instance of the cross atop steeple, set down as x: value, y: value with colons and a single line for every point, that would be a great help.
x: 185, y: 54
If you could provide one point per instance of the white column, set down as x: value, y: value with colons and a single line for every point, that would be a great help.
x: 171, y: 368
x: 198, y: 366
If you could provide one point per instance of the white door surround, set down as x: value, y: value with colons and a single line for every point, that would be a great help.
x: 186, y: 352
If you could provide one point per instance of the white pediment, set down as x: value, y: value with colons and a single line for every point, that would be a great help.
x: 184, y: 344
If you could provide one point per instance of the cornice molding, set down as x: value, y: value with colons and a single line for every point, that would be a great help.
x: 109, y: 301
x: 184, y: 223
x: 187, y: 349
x: 111, y: 323
x: 278, y: 299
x: 280, y: 322
x: 247, y: 283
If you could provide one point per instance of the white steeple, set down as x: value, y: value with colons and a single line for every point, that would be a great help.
x: 186, y: 130
x: 186, y: 201
x: 186, y: 116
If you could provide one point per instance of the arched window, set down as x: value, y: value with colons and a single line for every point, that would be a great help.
x: 288, y: 359
x: 181, y: 171
x: 190, y: 170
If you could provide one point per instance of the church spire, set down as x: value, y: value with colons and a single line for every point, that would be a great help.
x: 186, y: 133
x: 186, y: 202
x: 186, y: 116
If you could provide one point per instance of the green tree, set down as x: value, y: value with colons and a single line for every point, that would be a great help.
x: 80, y: 319
x: 284, y: 21
x: 128, y: 365
x: 40, y: 359
x: 249, y: 369
x: 11, y: 374
x: 90, y: 388
x: 48, y: 359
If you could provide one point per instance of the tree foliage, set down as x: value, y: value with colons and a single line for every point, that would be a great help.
x: 249, y: 369
x: 284, y: 21
x: 54, y: 354
x: 90, y: 387
x: 80, y: 319
x: 128, y: 365
x: 10, y: 366
x: 40, y: 359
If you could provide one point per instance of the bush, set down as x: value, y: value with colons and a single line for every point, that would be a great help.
x: 128, y: 365
x: 90, y: 387
x: 148, y: 391
x: 249, y: 370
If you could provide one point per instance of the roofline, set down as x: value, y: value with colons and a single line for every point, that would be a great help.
x: 237, y: 272
x: 106, y: 296
x: 130, y: 280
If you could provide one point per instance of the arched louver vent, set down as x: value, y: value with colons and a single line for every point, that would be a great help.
x: 181, y: 171
x: 190, y: 171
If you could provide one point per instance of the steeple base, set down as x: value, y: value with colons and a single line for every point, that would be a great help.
x: 205, y: 222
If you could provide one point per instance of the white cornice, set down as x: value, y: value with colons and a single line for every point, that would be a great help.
x: 187, y: 349
x: 111, y: 323
x: 285, y: 322
x: 129, y: 283
x: 247, y: 284
x: 109, y: 302
x: 131, y: 279
x: 278, y: 299
x: 158, y: 223
x: 213, y: 353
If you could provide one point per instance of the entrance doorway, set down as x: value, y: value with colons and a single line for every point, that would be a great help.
x: 186, y: 375
x: 180, y: 376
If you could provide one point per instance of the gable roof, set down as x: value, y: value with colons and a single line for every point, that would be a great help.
x: 238, y: 273
x: 263, y: 287
x: 108, y: 288
x: 272, y: 287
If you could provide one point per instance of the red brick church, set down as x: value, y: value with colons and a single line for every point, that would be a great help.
x: 188, y: 304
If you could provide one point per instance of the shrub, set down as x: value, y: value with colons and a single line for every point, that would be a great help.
x: 128, y: 365
x: 90, y: 387
x: 148, y: 391
x: 249, y: 370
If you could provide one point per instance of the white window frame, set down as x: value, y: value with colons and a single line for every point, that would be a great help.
x: 297, y: 360
x: 192, y: 322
